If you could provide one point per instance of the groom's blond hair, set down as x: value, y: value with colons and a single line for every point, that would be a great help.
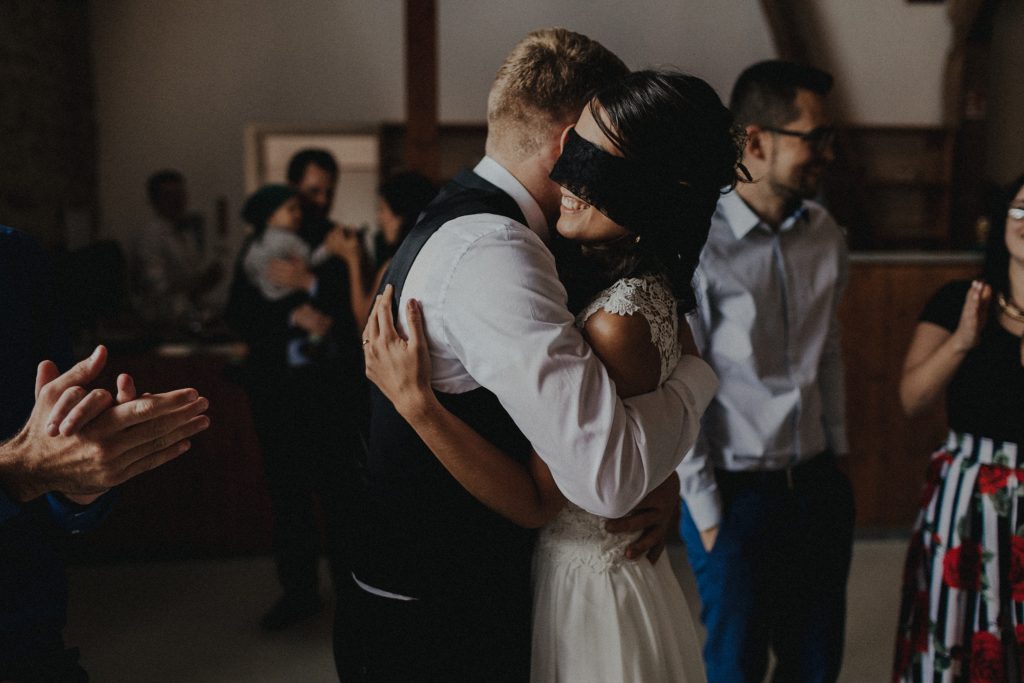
x: 544, y: 83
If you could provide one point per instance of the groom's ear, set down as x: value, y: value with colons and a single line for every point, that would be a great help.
x: 562, y: 138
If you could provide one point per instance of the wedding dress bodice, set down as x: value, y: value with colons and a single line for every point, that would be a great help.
x: 576, y: 535
x: 650, y: 296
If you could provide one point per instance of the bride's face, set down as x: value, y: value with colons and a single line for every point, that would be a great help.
x: 578, y: 220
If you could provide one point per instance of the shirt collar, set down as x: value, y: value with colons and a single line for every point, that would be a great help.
x: 742, y: 219
x: 496, y: 174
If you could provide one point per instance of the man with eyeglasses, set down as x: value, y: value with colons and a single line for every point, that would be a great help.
x: 768, y: 515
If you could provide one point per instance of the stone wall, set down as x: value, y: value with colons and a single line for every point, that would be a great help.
x: 47, y: 129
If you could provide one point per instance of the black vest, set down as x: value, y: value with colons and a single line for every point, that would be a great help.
x: 427, y: 537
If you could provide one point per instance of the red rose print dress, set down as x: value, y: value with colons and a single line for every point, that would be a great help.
x: 962, y: 613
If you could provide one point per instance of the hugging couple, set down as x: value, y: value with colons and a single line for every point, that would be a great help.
x: 517, y: 390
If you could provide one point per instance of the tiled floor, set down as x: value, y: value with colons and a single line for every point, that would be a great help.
x: 197, y: 621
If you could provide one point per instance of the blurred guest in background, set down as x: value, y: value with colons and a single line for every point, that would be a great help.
x: 171, y: 273
x: 961, y: 617
x: 275, y: 216
x: 307, y: 402
x: 314, y: 175
x: 768, y: 514
x: 401, y: 199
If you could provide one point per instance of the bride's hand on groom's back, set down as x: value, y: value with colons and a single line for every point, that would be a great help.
x: 656, y: 516
x: 400, y: 367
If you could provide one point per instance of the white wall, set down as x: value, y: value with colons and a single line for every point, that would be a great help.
x: 888, y: 57
x: 713, y: 39
x: 176, y: 82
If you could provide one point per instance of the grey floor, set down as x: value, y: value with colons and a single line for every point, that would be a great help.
x: 196, y: 621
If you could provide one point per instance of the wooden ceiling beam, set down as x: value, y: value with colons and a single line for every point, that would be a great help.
x: 782, y: 16
x: 422, y: 139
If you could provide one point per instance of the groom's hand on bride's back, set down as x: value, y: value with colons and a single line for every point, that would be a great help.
x: 655, y: 517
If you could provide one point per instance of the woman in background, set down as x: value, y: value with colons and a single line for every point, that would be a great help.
x: 401, y: 199
x: 962, y: 617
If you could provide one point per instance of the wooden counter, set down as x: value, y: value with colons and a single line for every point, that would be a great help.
x: 889, y: 452
x: 210, y: 502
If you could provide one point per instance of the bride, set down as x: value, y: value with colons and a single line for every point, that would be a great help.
x: 641, y: 173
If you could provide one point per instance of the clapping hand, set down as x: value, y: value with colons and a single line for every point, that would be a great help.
x: 400, y: 367
x: 80, y: 444
x: 973, y: 316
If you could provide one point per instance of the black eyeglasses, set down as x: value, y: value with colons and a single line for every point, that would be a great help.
x: 819, y: 139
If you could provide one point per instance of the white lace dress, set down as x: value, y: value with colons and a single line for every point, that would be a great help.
x: 598, y: 617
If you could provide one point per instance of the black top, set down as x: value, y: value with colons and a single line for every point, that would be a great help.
x: 984, y: 397
x: 314, y: 229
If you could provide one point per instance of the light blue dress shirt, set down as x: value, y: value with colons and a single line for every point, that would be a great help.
x: 766, y: 323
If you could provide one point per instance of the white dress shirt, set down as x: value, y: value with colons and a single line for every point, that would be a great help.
x: 167, y: 261
x: 766, y: 322
x: 495, y: 316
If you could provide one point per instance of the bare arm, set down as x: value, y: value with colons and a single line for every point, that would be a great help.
x: 623, y: 343
x: 526, y: 495
x: 348, y: 248
x: 935, y: 353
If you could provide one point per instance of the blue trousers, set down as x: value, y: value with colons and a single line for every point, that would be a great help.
x: 776, y: 576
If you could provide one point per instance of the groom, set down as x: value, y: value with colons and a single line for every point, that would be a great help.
x: 445, y: 582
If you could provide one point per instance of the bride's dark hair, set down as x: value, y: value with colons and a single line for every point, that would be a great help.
x: 675, y: 126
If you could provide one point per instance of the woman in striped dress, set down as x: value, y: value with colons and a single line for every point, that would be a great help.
x: 962, y: 613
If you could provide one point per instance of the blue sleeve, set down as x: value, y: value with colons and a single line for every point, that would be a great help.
x: 8, y: 508
x: 67, y: 515
x: 74, y: 518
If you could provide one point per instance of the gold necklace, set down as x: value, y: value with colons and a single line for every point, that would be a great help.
x: 1010, y: 309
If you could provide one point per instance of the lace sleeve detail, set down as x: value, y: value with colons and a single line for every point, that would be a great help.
x: 651, y: 296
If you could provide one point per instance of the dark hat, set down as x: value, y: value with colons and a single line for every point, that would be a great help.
x: 259, y: 207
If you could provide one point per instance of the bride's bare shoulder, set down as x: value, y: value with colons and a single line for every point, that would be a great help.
x: 623, y: 343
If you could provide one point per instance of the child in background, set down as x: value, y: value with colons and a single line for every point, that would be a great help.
x: 275, y: 215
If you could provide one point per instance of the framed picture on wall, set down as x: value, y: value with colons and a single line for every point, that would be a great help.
x: 269, y: 148
x: 462, y: 146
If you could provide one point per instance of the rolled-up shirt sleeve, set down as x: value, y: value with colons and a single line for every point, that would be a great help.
x: 698, y: 488
x: 506, y: 319
x: 697, y: 485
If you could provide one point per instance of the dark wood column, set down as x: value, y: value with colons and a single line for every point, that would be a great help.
x: 966, y: 110
x: 422, y: 142
x: 786, y: 31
